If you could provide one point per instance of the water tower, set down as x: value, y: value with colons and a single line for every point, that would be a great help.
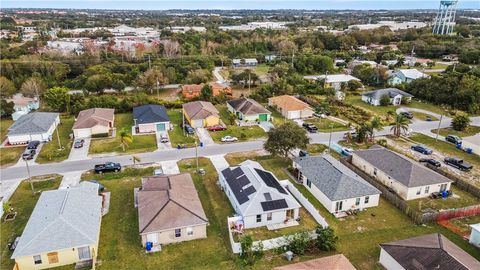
x: 445, y: 20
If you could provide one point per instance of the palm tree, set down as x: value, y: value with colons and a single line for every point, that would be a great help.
x: 125, y: 138
x: 375, y: 124
x: 401, y: 123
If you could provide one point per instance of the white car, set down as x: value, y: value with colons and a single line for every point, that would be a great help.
x: 229, y: 139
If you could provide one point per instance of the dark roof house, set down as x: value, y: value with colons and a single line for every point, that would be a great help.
x: 391, y: 92
x: 147, y: 114
x: 247, y: 106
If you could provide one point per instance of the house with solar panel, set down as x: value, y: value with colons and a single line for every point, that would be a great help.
x: 257, y: 196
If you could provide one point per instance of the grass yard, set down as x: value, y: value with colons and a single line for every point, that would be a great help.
x: 459, y: 199
x: 470, y: 131
x: 316, y: 149
x: 23, y: 202
x: 50, y: 151
x: 261, y: 69
x: 176, y: 135
x: 10, y: 155
x: 327, y: 125
x: 464, y: 223
x: 4, y: 125
x: 423, y: 116
x: 242, y: 133
x: 141, y: 143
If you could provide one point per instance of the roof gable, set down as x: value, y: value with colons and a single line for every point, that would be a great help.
x: 247, y: 106
x: 33, y: 123
x: 200, y: 109
x: 150, y: 113
x: 94, y: 116
x: 289, y: 103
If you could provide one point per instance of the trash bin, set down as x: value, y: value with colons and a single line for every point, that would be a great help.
x: 459, y: 146
x: 201, y: 144
x: 469, y: 150
x: 178, y: 146
x: 148, y: 246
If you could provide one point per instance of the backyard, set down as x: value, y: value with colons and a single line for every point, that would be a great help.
x: 469, y: 131
x: 23, y: 203
x: 50, y: 151
x: 141, y: 143
x: 459, y: 199
x: 176, y: 134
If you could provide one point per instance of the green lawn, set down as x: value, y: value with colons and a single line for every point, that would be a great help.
x: 459, y: 199
x: 470, y: 131
x: 50, y: 151
x: 327, y: 125
x: 423, y: 116
x: 176, y: 135
x: 10, y: 155
x: 141, y: 143
x: 4, y: 125
x: 23, y: 201
x: 242, y: 133
x: 316, y: 149
x: 261, y: 69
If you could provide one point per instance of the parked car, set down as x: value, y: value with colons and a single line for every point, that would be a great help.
x: 78, y: 143
x: 458, y: 163
x: 408, y: 115
x: 453, y: 139
x: 164, y: 138
x: 29, y: 154
x: 352, y: 134
x: 216, y: 128
x: 189, y: 129
x: 320, y: 115
x: 107, y: 167
x: 229, y: 139
x: 310, y: 127
x: 303, y: 153
x: 347, y: 151
x: 422, y: 149
x: 33, y: 144
x: 431, y: 161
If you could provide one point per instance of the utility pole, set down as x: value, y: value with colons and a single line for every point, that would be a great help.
x: 158, y: 89
x: 149, y: 62
x: 196, y: 154
x: 58, y: 139
x: 438, y: 128
x: 183, y: 121
x: 330, y: 137
x: 293, y: 56
x: 29, y: 177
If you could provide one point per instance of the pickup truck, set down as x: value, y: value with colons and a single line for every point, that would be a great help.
x: 108, y: 167
x: 458, y: 163
x: 310, y: 127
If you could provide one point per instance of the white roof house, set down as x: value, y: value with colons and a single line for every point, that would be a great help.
x: 36, y: 126
x: 475, y: 235
x: 406, y: 76
x: 257, y: 195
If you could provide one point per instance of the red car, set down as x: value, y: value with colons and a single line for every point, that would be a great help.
x: 216, y: 128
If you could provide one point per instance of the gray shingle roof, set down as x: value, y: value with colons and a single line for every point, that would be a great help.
x: 33, y: 123
x: 391, y: 92
x: 333, y: 178
x: 63, y: 218
x: 247, y: 106
x: 406, y: 171
x: 147, y: 114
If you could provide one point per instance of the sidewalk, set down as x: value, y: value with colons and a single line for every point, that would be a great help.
x: 70, y: 179
x: 219, y: 162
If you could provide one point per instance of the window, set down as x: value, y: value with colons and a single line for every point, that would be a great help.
x: 190, y: 231
x: 419, y: 191
x: 309, y: 184
x: 84, y: 253
x: 37, y: 259
x: 269, y: 216
x: 259, y: 218
x: 427, y: 189
x: 178, y: 232
x: 52, y: 257
x: 357, y: 202
x: 375, y: 171
x: 367, y: 199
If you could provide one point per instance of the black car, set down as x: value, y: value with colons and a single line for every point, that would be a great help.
x: 108, y: 167
x: 310, y: 127
x: 189, y: 129
x: 78, y: 143
x: 458, y: 163
x: 408, y: 115
x: 33, y: 144
x: 453, y: 139
x: 422, y: 149
x: 431, y: 161
x: 303, y: 153
x: 29, y: 154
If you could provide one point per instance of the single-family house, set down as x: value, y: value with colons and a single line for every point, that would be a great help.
x: 93, y: 121
x: 291, y: 107
x: 169, y: 210
x: 247, y: 109
x: 64, y: 229
x: 406, y: 76
x: 150, y: 118
x: 474, y: 238
x: 334, y: 185
x: 257, y: 196
x: 194, y: 90
x: 36, y: 126
x: 246, y: 62
x: 270, y: 57
x: 431, y: 251
x: 395, y: 95
x: 23, y: 105
x: 336, y: 81
x: 201, y: 114
x: 334, y: 262
x: 408, y: 178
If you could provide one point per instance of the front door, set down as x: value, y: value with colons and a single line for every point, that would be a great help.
x: 84, y: 253
x: 152, y: 237
x: 263, y: 117
x: 161, y: 127
x: 338, y: 206
x: 443, y: 187
x: 290, y: 214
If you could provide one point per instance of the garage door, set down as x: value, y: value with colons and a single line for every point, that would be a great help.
x: 294, y: 114
x: 161, y: 127
x: 82, y: 133
x: 263, y: 117
x: 198, y: 123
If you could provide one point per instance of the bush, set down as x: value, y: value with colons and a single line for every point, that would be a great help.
x: 250, y: 253
x: 326, y: 239
x: 100, y: 135
x: 382, y: 142
x: 460, y: 121
x: 298, y: 243
x: 384, y: 100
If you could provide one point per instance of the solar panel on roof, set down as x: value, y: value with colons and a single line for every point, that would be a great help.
x: 249, y: 190
x: 243, y: 181
x: 227, y: 173
x: 237, y: 172
x: 270, y: 180
x: 274, y: 205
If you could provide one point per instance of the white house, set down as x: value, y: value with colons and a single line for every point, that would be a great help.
x: 335, y: 80
x: 334, y: 185
x: 475, y: 235
x: 406, y: 76
x: 150, y: 119
x: 36, y: 126
x: 395, y: 95
x: 23, y: 105
x: 257, y: 196
x: 291, y: 107
x: 247, y: 62
x: 407, y: 178
x: 249, y: 110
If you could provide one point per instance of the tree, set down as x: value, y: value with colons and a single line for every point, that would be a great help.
x: 401, y: 123
x: 206, y: 93
x: 6, y: 108
x: 125, y: 138
x: 7, y: 88
x: 56, y: 98
x: 151, y: 79
x: 384, y: 100
x: 250, y: 253
x: 353, y: 85
x: 298, y: 243
x: 326, y: 239
x: 460, y: 121
x: 118, y: 85
x: 33, y: 86
x: 98, y: 83
x: 283, y: 139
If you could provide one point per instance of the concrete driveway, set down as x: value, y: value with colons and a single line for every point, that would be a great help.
x: 266, y: 125
x: 21, y: 162
x: 204, y: 136
x: 219, y: 162
x: 170, y: 167
x: 160, y: 145
x: 70, y: 179
x: 80, y: 153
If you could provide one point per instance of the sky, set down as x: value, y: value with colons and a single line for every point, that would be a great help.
x: 235, y: 4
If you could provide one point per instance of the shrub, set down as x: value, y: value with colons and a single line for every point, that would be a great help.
x: 250, y: 253
x: 384, y: 100
x: 460, y: 121
x: 100, y: 135
x: 298, y: 243
x: 326, y: 239
x: 382, y: 142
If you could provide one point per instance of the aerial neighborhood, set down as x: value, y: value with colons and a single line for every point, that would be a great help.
x: 276, y: 135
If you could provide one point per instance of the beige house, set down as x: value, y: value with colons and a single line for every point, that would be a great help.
x: 407, y: 178
x: 201, y: 114
x: 291, y: 107
x: 170, y: 211
x: 93, y: 121
x: 64, y: 229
